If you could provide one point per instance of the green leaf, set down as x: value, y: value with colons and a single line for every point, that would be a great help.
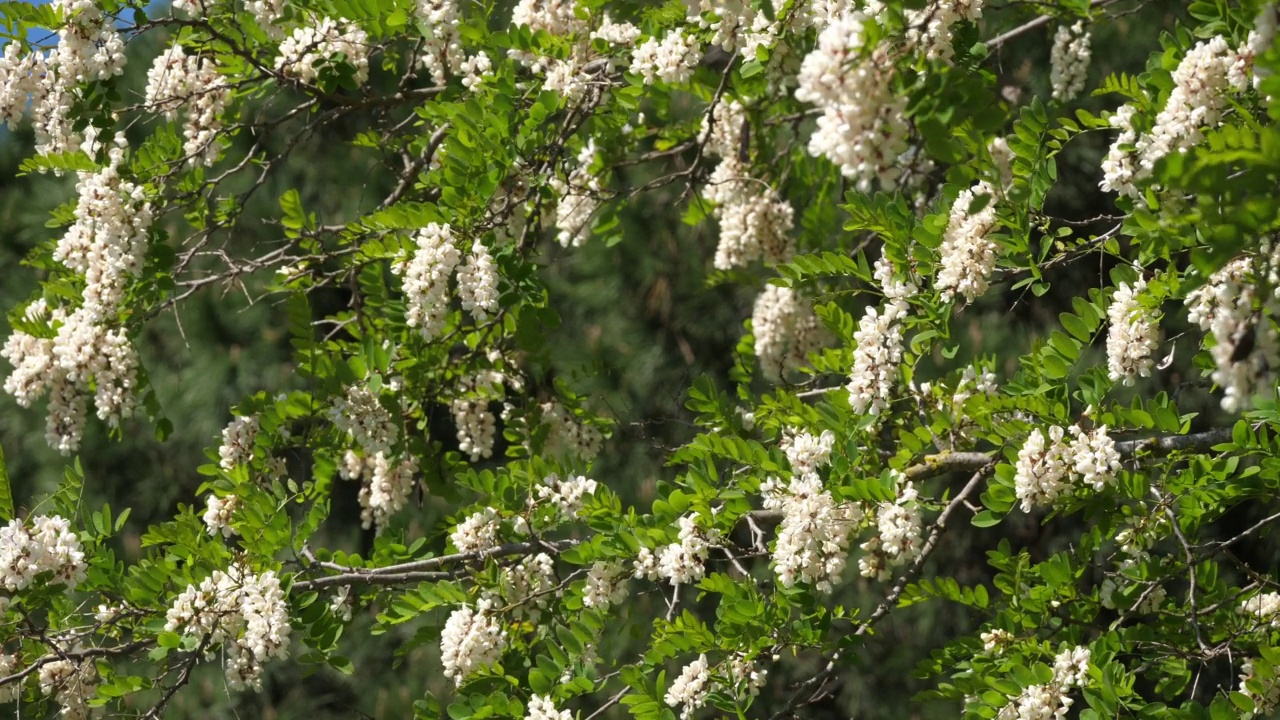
x: 6, y: 493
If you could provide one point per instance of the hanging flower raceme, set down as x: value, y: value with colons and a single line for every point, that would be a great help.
x: 1069, y: 61
x: 426, y: 279
x: 862, y: 127
x: 786, y: 331
x: 967, y: 256
x: 578, y: 197
x: 308, y: 49
x: 1050, y: 467
x: 1246, y: 349
x: 177, y: 81
x: 879, y: 345
x: 471, y: 640
x: 243, y: 613
x: 1132, y: 336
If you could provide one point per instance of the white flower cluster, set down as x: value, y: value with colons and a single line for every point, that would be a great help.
x: 308, y: 49
x: 862, y: 127
x: 442, y: 43
x: 1119, y: 167
x: 82, y: 352
x: 529, y: 585
x: 691, y: 688
x: 806, y: 452
x: 245, y: 613
x: 933, y: 26
x: 72, y: 683
x: 973, y: 383
x: 755, y: 223
x: 1132, y: 336
x: 567, y: 436
x: 967, y: 256
x: 879, y: 349
x: 477, y: 427
x: 680, y: 562
x: 177, y: 81
x: 106, y: 243
x: 218, y: 513
x: 1265, y: 607
x: 237, y: 442
x: 44, y: 544
x: 471, y: 640
x: 897, y: 541
x: 1049, y: 468
x: 426, y: 278
x: 478, y: 283
x: 577, y: 199
x: 478, y: 533
x: 1247, y: 348
x: 108, y: 240
x: 1265, y: 701
x: 387, y: 490
x: 786, y: 330
x: 671, y: 60
x: 89, y: 49
x: 1203, y: 82
x: 606, y: 585
x: 813, y: 538
x: 996, y: 640
x: 567, y: 495
x: 542, y: 708
x: 738, y: 25
x: 556, y: 17
x: 1069, y: 61
x: 359, y: 414
x: 1051, y: 700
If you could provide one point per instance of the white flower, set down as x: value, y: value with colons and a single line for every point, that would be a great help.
x: 71, y: 683
x: 623, y: 33
x: 387, y: 489
x: 808, y: 453
x: 967, y: 256
x: 682, y: 562
x: 217, y: 516
x: 441, y: 49
x: 1069, y: 61
x: 1071, y: 667
x: 1266, y: 701
x: 542, y: 708
x: 303, y: 53
x: 1093, y: 456
x: 862, y: 127
x: 786, y: 330
x: 671, y: 60
x: 567, y: 495
x: 478, y: 283
x: 813, y: 538
x: 567, y: 436
x: 606, y: 585
x: 1132, y: 336
x: 471, y: 640
x: 245, y: 613
x: 1119, y: 168
x: 1040, y: 475
x: 1265, y: 607
x: 578, y: 198
x: 691, y: 688
x: 237, y: 442
x: 995, y: 640
x: 45, y: 544
x: 426, y: 279
x: 360, y: 415
x: 879, y: 346
x: 477, y: 533
x: 1225, y: 307
x: 179, y: 81
x: 477, y: 427
x: 932, y: 26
